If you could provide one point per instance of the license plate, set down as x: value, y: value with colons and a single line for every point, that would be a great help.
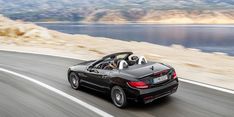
x: 160, y: 79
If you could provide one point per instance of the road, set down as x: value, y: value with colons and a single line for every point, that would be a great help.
x: 20, y: 98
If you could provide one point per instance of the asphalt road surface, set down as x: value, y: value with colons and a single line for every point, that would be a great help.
x: 22, y: 98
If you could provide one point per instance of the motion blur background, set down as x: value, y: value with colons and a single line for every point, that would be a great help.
x: 196, y: 37
x: 203, y: 24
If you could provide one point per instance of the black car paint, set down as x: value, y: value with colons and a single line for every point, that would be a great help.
x: 139, y: 71
x: 138, y: 95
x: 103, y: 80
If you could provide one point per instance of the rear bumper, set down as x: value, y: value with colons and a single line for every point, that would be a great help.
x: 151, y: 94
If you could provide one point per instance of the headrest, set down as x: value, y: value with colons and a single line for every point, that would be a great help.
x: 133, y: 58
x: 123, y: 64
x: 142, y: 60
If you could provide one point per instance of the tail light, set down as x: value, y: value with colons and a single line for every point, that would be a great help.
x: 174, y: 75
x: 138, y: 84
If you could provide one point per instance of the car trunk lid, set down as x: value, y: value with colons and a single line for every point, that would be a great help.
x: 151, y: 73
x: 140, y: 71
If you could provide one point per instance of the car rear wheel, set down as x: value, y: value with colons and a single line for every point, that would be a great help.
x: 74, y: 80
x: 118, y: 97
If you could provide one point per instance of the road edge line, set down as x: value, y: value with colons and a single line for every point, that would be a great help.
x: 207, y: 85
x: 72, y: 98
x: 181, y: 79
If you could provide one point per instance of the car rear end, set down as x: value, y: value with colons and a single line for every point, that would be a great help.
x: 153, y: 86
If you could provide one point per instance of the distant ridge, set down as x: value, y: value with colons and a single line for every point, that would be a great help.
x: 122, y: 11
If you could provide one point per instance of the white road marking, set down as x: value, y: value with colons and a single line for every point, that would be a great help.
x: 86, y: 105
x: 183, y: 80
x: 207, y: 86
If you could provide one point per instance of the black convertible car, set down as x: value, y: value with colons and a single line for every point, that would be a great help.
x: 125, y: 77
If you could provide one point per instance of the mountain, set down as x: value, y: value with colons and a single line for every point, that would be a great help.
x: 121, y: 11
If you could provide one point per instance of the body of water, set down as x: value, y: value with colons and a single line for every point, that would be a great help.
x: 208, y: 38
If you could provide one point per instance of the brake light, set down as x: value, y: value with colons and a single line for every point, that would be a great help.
x: 174, y: 75
x: 138, y: 84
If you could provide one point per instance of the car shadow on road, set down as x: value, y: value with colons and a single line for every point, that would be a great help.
x: 158, y: 103
x: 131, y: 105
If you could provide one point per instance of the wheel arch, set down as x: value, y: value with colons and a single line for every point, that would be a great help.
x: 68, y: 74
x: 118, y: 82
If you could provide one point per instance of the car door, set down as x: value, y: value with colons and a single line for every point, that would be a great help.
x: 98, y: 79
x: 103, y: 80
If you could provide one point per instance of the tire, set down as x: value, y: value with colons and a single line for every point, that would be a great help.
x: 118, y: 97
x: 74, y: 80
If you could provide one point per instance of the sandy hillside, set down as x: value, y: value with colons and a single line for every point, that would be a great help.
x: 212, y: 68
x: 163, y: 17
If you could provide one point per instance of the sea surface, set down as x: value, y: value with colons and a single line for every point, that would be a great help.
x: 208, y: 38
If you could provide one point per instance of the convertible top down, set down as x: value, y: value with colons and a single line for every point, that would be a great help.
x: 125, y: 77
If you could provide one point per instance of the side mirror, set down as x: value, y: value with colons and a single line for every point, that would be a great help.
x: 90, y: 69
